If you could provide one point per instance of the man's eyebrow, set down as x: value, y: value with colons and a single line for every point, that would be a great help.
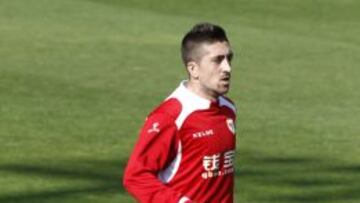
x: 228, y: 55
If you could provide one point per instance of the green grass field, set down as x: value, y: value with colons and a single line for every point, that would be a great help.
x: 77, y: 79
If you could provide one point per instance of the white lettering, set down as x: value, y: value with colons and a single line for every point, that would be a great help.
x: 211, y: 164
x: 203, y: 133
x: 229, y: 158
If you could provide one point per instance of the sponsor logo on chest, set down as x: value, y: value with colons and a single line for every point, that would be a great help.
x: 212, y: 164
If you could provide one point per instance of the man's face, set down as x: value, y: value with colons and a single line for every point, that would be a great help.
x: 214, y: 68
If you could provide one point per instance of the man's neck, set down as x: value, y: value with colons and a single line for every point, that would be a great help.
x: 198, y: 90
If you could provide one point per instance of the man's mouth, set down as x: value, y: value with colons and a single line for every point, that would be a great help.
x: 225, y: 79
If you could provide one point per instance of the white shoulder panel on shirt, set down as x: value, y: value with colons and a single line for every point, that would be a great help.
x: 225, y: 102
x: 190, y: 102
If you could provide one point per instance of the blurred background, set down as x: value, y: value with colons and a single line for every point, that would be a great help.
x: 78, y: 77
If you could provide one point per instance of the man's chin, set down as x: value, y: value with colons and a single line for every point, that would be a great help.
x: 223, y: 90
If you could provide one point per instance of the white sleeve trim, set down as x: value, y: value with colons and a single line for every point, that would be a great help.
x: 183, y: 199
x: 168, y: 173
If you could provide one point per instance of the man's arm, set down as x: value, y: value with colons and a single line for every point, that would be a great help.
x: 156, y: 147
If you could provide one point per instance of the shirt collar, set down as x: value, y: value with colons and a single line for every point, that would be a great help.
x: 192, y: 96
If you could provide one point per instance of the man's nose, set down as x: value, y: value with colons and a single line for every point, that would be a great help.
x: 226, y: 65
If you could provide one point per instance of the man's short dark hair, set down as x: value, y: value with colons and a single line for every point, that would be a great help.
x: 199, y: 34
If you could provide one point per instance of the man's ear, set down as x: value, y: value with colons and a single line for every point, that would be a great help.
x: 193, y: 69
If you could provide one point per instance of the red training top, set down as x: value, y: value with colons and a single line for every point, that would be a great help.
x: 185, y: 152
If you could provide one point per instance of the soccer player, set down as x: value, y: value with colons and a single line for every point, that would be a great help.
x: 185, y: 151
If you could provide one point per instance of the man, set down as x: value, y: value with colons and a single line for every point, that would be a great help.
x: 185, y: 151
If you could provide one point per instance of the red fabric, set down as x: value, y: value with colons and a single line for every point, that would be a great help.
x: 205, y: 171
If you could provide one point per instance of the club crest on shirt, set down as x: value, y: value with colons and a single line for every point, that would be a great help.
x: 230, y: 125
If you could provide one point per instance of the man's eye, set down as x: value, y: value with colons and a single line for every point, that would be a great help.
x: 230, y: 57
x: 218, y: 59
